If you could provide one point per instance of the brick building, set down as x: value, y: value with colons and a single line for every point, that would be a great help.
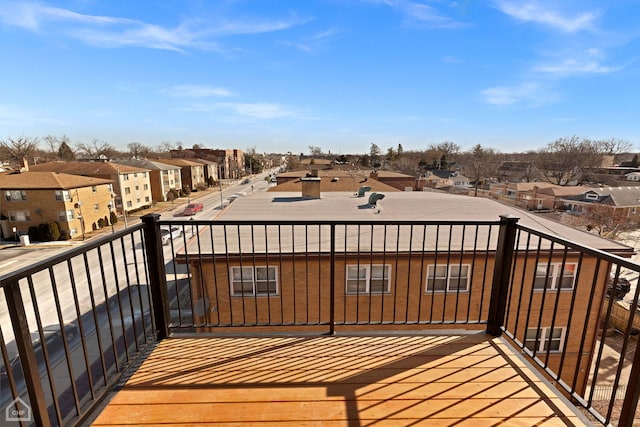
x: 77, y: 203
x: 380, y: 271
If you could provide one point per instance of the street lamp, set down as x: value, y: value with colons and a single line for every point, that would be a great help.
x: 111, y: 217
x: 192, y: 230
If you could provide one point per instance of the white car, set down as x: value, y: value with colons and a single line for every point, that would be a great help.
x: 168, y: 233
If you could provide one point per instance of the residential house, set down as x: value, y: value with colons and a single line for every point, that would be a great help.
x: 633, y: 176
x: 344, y: 181
x: 162, y: 177
x: 77, y: 204
x: 132, y: 190
x: 623, y: 202
x: 364, y: 177
x: 191, y: 173
x: 432, y: 272
x: 444, y: 180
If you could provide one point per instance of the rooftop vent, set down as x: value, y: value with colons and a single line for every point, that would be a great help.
x: 374, y: 197
x: 362, y: 190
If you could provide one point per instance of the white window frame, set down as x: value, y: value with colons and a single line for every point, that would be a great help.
x: 251, y: 280
x: 63, y: 195
x: 542, y: 344
x: 19, y: 216
x: 127, y: 190
x: 66, y: 215
x: 541, y: 281
x: 359, y: 278
x: 591, y: 196
x: 13, y: 195
x: 446, y: 274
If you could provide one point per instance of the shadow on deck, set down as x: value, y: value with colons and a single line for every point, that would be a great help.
x: 441, y: 380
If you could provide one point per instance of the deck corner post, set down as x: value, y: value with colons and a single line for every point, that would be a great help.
x: 157, y: 275
x: 501, y: 274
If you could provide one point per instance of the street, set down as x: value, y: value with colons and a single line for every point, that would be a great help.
x: 69, y: 291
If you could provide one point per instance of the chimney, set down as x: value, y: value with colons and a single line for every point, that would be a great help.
x: 311, y: 186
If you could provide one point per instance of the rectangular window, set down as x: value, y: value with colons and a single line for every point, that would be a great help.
x: 363, y: 279
x: 65, y: 216
x: 125, y: 177
x: 127, y: 190
x: 63, y: 195
x: 129, y: 204
x: 146, y: 186
x: 19, y: 216
x: 592, y: 196
x: 257, y: 280
x: 448, y: 278
x: 544, y: 339
x: 94, y: 189
x: 555, y: 276
x: 135, y: 175
x: 15, y: 195
x: 146, y: 199
x: 137, y: 187
x: 96, y: 206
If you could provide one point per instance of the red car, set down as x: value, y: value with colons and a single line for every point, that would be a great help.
x: 192, y: 209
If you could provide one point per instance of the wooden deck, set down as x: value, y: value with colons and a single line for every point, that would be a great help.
x: 465, y: 380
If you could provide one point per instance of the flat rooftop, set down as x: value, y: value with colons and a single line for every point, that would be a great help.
x: 399, y: 206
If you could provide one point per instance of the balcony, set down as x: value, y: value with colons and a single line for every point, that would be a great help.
x: 332, y: 323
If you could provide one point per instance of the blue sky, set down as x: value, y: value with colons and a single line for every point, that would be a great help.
x: 283, y: 75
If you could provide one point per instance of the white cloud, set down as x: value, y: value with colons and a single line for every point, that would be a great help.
x: 314, y: 42
x: 570, y: 66
x: 260, y: 110
x: 420, y: 12
x: 107, y: 31
x: 526, y: 94
x: 196, y: 91
x: 541, y: 13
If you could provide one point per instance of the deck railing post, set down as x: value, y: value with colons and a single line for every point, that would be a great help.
x: 157, y: 274
x: 332, y: 257
x: 630, y: 403
x: 501, y: 274
x: 28, y: 361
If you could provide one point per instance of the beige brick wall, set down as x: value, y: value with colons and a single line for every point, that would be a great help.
x: 42, y: 207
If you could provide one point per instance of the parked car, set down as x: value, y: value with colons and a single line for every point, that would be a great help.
x: 168, y: 233
x: 192, y: 209
x: 621, y: 288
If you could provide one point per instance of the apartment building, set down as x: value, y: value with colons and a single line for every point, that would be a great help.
x: 421, y: 272
x: 77, y: 204
x: 162, y: 177
x: 230, y: 161
x: 191, y: 173
x: 132, y: 185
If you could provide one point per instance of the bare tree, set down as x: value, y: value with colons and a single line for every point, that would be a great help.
x: 17, y: 149
x: 604, y: 220
x: 480, y: 163
x: 315, y: 151
x: 65, y: 152
x: 137, y: 149
x: 567, y: 160
x: 96, y: 149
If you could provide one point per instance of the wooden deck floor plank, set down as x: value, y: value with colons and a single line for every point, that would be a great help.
x: 413, y: 380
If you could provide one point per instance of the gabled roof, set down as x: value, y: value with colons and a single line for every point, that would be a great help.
x: 529, y: 186
x: 47, y: 181
x: 149, y: 164
x: 179, y: 162
x: 86, y: 168
x: 620, y: 196
x: 564, y: 190
x: 205, y: 161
